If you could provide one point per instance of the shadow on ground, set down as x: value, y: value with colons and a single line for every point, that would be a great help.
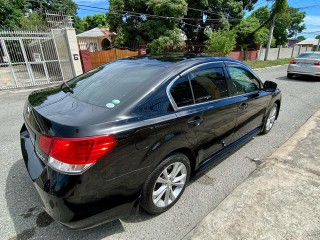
x: 300, y: 78
x: 31, y: 221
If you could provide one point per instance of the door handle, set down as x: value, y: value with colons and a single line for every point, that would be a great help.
x: 196, y: 121
x: 243, y: 106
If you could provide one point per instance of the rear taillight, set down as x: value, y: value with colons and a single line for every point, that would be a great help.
x: 293, y: 62
x: 45, y: 143
x: 316, y: 63
x: 75, y: 155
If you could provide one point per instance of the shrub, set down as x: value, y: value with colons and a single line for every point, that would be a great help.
x: 221, y: 42
x: 171, y: 40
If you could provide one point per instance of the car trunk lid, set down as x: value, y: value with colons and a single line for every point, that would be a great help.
x: 306, y: 61
x: 53, y: 112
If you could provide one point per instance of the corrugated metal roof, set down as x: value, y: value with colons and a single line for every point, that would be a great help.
x: 96, y: 32
x: 309, y: 41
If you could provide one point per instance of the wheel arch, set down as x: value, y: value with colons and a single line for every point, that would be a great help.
x: 278, y: 102
x: 167, y: 144
x: 189, y: 154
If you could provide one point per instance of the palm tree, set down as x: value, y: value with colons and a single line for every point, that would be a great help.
x: 278, y: 7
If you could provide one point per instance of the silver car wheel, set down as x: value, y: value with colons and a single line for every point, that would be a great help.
x: 169, y: 184
x: 271, y: 118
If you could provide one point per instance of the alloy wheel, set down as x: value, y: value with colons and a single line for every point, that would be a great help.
x: 271, y: 118
x: 169, y: 185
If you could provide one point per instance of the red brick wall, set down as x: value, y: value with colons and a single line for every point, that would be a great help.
x: 251, y: 55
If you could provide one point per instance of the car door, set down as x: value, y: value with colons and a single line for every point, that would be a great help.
x: 250, y: 98
x: 210, y: 121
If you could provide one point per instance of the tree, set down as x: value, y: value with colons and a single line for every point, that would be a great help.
x: 23, y: 14
x: 221, y: 42
x: 300, y: 38
x: 123, y: 18
x: 244, y: 30
x: 287, y: 24
x: 278, y: 7
x: 96, y: 20
x: 184, y: 14
x: 317, y: 37
x: 66, y: 6
x: 170, y: 40
x: 10, y: 13
x: 32, y: 21
x: 224, y: 14
x: 78, y: 24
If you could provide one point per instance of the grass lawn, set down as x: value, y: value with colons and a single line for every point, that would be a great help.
x: 261, y: 64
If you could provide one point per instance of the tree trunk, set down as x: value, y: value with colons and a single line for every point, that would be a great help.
x: 270, y: 37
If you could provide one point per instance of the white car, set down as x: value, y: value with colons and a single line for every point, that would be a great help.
x: 307, y: 63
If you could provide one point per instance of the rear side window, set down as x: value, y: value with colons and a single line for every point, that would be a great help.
x: 208, y: 85
x: 114, y: 83
x: 181, y: 92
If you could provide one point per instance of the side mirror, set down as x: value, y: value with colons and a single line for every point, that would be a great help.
x: 269, y: 86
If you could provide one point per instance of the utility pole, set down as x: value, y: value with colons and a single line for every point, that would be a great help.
x: 273, y: 21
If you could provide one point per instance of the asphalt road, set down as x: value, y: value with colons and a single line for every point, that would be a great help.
x: 21, y: 214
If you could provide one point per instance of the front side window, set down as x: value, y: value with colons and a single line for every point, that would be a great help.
x: 181, y: 92
x: 242, y: 81
x: 209, y: 84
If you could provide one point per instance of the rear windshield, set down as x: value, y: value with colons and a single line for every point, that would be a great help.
x: 309, y: 55
x: 111, y: 84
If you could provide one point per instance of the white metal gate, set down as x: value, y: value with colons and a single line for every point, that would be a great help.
x: 31, y: 58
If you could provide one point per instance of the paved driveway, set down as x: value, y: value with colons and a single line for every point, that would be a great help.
x: 22, y: 217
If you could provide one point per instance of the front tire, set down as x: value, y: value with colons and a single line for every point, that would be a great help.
x: 166, y: 184
x: 271, y: 117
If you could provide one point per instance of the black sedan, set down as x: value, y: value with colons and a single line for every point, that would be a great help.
x: 131, y: 133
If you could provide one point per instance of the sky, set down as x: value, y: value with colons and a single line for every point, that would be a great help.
x: 93, y: 3
x: 311, y: 7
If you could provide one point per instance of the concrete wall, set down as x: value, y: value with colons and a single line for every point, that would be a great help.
x: 280, y: 53
x: 74, y: 51
x: 296, y: 50
x: 285, y: 53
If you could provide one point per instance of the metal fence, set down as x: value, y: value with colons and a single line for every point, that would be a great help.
x: 59, y: 20
x: 31, y: 58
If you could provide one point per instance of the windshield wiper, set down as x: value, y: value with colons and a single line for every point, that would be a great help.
x: 67, y: 88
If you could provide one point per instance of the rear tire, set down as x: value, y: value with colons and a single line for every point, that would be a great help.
x: 289, y: 75
x: 166, y: 184
x: 271, y: 117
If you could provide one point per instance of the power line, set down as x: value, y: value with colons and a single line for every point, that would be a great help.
x: 311, y: 6
x: 310, y: 32
x: 82, y: 5
x: 136, y: 14
x: 200, y: 10
x: 90, y: 10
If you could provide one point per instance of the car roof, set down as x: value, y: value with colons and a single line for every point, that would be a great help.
x: 314, y: 52
x: 176, y: 60
x: 174, y: 64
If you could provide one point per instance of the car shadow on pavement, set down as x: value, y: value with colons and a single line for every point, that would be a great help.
x: 141, y: 216
x: 31, y: 221
x: 306, y: 79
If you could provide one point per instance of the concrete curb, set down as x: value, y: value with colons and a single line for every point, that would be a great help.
x: 279, y: 200
x: 294, y: 140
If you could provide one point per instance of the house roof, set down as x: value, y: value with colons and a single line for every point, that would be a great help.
x: 97, y: 32
x: 309, y: 41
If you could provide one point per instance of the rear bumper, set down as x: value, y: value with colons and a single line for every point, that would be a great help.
x: 310, y: 71
x: 65, y: 203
